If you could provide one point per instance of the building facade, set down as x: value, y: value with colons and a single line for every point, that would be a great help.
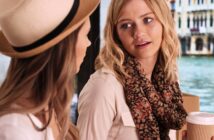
x: 195, y: 26
x: 172, y: 5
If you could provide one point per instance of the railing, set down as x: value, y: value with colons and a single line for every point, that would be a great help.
x: 194, y: 7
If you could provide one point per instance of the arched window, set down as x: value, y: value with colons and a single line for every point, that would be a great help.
x: 179, y: 22
x: 211, y: 20
x: 199, y: 44
x: 209, y: 43
x: 188, y: 22
x: 197, y: 22
x: 188, y: 43
x: 202, y: 20
x: 194, y: 22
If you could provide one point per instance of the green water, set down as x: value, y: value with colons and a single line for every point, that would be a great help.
x: 197, y: 78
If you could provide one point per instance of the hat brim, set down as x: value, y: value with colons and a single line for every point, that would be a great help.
x: 84, y: 11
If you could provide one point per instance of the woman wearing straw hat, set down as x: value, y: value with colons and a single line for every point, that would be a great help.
x: 46, y: 42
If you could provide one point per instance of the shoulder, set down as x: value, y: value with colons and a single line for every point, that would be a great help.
x: 103, y: 80
x: 102, y: 87
x: 14, y: 119
x: 104, y: 77
x: 14, y: 126
x: 17, y: 126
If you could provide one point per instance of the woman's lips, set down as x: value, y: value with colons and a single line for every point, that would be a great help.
x: 143, y: 45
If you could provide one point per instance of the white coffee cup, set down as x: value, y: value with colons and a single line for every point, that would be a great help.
x: 200, y: 126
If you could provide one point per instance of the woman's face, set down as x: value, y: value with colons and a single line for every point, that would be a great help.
x: 139, y: 30
x: 82, y: 43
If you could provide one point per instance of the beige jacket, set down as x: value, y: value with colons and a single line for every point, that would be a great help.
x: 103, y: 112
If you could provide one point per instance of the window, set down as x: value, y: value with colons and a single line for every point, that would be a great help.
x: 179, y: 2
x: 202, y: 1
x: 189, y: 2
x: 212, y: 1
x: 202, y: 20
x: 211, y: 21
x: 173, y: 6
x: 188, y: 43
x: 179, y: 22
x: 194, y: 22
x: 188, y: 22
x: 198, y: 22
x: 199, y: 44
x: 209, y: 43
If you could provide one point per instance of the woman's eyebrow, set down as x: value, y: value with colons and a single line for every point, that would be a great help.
x: 146, y: 14
x: 125, y: 19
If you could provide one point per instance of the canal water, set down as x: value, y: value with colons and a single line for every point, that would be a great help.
x: 197, y: 78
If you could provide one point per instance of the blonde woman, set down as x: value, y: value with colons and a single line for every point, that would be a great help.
x: 134, y: 94
x: 47, y: 42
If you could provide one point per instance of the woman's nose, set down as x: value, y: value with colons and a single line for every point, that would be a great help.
x: 139, y: 32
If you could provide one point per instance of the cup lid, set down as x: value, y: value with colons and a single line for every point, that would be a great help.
x: 201, y: 118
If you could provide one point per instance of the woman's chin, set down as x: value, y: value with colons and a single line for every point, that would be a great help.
x: 78, y: 65
x: 77, y: 70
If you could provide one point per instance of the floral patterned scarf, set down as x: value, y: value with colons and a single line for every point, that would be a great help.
x: 155, y: 106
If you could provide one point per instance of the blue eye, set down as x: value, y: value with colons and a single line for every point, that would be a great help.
x: 125, y: 25
x: 147, y: 20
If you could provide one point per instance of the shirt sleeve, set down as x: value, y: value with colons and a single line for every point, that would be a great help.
x: 96, y: 109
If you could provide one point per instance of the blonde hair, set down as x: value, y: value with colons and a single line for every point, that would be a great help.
x: 49, y: 78
x: 112, y: 55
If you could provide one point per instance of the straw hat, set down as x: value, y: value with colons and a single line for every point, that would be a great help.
x: 29, y: 27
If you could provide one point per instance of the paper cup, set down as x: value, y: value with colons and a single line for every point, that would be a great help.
x: 200, y: 126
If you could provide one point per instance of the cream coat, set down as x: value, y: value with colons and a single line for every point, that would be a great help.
x: 103, y: 112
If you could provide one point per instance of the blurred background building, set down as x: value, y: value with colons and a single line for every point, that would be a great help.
x: 195, y: 25
x: 172, y: 6
x: 194, y: 21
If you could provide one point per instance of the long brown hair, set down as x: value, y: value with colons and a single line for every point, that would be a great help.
x: 112, y: 55
x: 48, y: 77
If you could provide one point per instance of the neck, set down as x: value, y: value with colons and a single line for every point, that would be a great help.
x: 148, y: 65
